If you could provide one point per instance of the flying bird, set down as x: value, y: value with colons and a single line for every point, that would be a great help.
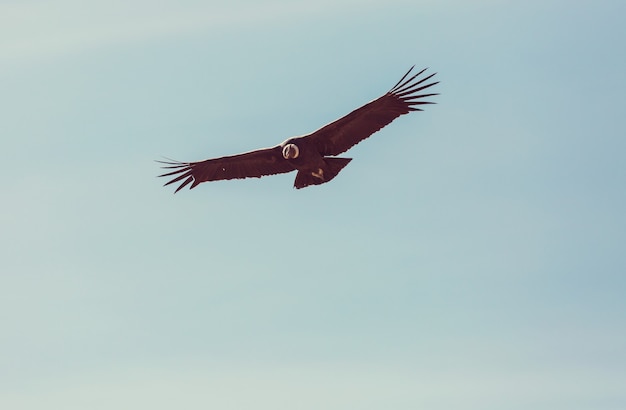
x: 312, y: 155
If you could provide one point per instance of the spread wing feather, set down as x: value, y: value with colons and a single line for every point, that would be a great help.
x: 254, y: 164
x: 404, y: 97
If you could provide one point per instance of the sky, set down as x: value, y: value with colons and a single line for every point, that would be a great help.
x: 471, y: 256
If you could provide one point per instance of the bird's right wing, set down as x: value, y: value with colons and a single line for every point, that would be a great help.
x: 254, y: 164
x: 406, y: 96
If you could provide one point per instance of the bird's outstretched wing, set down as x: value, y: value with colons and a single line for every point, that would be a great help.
x: 404, y: 97
x: 254, y: 164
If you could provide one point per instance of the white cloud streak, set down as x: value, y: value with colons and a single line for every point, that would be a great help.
x: 326, y: 385
x: 38, y: 30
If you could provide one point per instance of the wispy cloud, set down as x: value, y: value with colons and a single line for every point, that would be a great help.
x: 45, y: 29
x: 308, y: 386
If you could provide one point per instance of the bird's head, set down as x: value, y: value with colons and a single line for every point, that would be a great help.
x: 291, y: 151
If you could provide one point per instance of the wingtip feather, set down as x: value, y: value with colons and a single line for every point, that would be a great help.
x: 184, y: 184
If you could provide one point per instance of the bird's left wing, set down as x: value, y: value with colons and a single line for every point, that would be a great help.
x: 254, y: 164
x: 404, y: 97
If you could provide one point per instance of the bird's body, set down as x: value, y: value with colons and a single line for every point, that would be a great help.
x: 312, y: 155
x: 313, y: 168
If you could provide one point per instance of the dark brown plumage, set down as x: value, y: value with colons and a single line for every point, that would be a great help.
x: 311, y: 155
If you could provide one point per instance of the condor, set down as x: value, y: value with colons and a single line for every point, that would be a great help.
x: 312, y: 155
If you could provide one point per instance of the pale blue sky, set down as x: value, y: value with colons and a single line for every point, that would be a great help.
x: 470, y: 257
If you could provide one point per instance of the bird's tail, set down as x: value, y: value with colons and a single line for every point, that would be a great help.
x: 321, y: 175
